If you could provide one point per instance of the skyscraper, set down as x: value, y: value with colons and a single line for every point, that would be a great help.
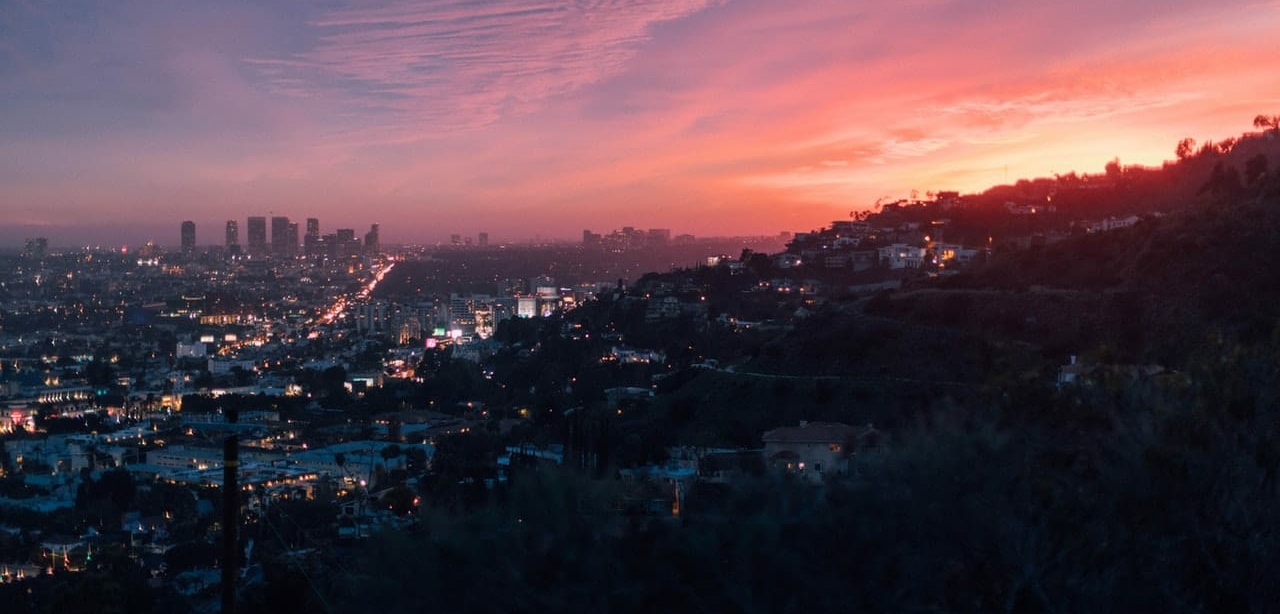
x: 233, y: 238
x: 257, y: 236
x: 291, y: 240
x: 188, y: 237
x: 371, y: 242
x: 36, y: 249
x: 311, y: 241
x: 280, y: 237
x: 483, y: 239
x: 345, y: 243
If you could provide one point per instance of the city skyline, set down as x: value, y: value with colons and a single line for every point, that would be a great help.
x: 737, y: 117
x: 190, y: 237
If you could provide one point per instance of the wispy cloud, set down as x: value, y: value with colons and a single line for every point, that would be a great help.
x: 556, y: 113
x: 411, y: 70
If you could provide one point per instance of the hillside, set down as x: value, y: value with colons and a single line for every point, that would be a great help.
x: 1149, y: 291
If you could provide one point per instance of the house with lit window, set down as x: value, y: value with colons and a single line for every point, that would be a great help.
x: 815, y: 450
x: 811, y: 450
x: 901, y: 256
x: 949, y: 254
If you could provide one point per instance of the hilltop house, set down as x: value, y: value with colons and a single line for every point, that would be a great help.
x: 901, y: 256
x: 1113, y: 223
x: 814, y: 450
x: 811, y: 450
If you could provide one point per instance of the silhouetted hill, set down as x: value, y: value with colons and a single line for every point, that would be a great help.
x: 1149, y: 291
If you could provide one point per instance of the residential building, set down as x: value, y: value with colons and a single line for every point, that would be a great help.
x: 811, y: 450
x: 901, y: 256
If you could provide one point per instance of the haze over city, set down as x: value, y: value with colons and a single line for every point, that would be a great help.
x: 544, y: 118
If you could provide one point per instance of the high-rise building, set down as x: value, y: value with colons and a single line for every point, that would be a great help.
x: 280, y: 246
x: 312, y: 245
x: 526, y: 306
x: 371, y: 242
x: 455, y: 239
x: 544, y: 286
x: 292, y: 239
x: 345, y: 243
x: 233, y: 238
x: 188, y: 237
x: 36, y: 248
x: 257, y: 236
x: 483, y: 239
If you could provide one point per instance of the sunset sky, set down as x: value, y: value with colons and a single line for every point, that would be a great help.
x: 121, y: 118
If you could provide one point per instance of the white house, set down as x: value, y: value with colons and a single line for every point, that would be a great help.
x: 1112, y: 223
x: 901, y: 256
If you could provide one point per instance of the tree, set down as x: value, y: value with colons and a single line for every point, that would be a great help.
x: 242, y: 377
x: 99, y: 373
x: 204, y: 381
x: 1267, y: 122
x: 1255, y: 168
x: 399, y: 499
x: 1114, y: 169
x: 390, y: 452
x: 1224, y: 182
x: 760, y: 265
x: 1185, y: 148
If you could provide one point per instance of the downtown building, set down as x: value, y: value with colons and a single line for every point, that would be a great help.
x: 284, y: 237
x: 257, y: 231
x: 188, y: 238
x: 233, y: 238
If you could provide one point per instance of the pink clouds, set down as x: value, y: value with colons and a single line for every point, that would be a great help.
x: 455, y: 65
x: 915, y: 116
x: 710, y: 116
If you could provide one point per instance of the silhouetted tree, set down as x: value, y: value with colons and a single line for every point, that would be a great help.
x: 1224, y: 182
x: 1255, y: 168
x: 1185, y: 148
x: 1113, y: 169
x: 99, y: 373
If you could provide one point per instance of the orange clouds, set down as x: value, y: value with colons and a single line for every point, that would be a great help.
x: 545, y: 116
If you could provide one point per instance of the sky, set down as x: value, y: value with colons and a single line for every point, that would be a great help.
x: 541, y: 118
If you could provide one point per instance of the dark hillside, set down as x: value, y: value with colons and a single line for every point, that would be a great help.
x: 1150, y: 292
x: 1188, y: 182
x: 735, y: 408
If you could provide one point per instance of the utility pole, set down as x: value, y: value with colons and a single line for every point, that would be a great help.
x: 230, y: 514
